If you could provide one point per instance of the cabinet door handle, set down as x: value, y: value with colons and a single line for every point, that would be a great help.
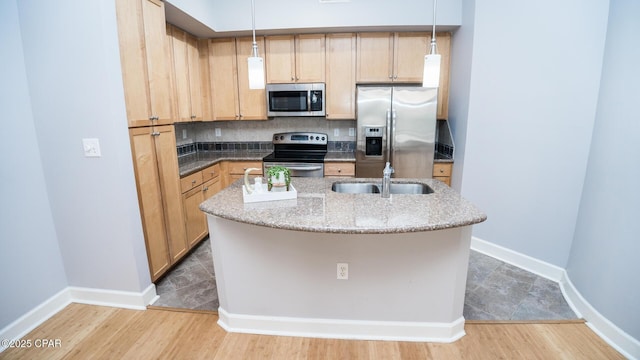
x: 155, y: 133
x: 205, y: 189
x: 339, y: 170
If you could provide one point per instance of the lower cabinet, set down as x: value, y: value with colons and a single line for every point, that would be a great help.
x: 234, y: 170
x: 159, y: 195
x: 442, y: 172
x: 195, y: 189
x: 339, y: 169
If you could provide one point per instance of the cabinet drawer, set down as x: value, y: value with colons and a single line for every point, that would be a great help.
x: 211, y: 172
x: 189, y: 182
x: 238, y: 167
x: 339, y: 169
x: 442, y: 169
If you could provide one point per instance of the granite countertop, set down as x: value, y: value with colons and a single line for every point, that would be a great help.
x: 204, y: 159
x: 319, y: 209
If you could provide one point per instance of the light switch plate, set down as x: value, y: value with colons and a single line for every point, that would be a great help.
x: 352, y: 132
x: 336, y: 132
x: 218, y: 132
x: 91, y: 147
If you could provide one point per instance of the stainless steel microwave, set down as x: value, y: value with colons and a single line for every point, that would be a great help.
x: 296, y: 99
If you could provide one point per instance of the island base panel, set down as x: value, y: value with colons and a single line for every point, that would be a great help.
x: 404, y: 286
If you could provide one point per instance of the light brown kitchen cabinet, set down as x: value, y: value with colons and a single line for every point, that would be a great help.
x: 231, y: 97
x: 291, y: 59
x: 442, y: 172
x: 391, y: 57
x: 196, y: 188
x: 186, y: 74
x: 234, y: 170
x: 159, y: 195
x: 205, y: 79
x: 195, y: 220
x: 341, y: 76
x: 339, y: 169
x: 145, y: 68
x: 399, y: 57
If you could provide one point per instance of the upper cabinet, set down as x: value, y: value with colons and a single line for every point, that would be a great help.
x: 391, y: 57
x: 341, y: 76
x: 231, y: 97
x: 399, y: 57
x: 186, y: 74
x: 145, y: 67
x: 205, y: 79
x: 299, y: 58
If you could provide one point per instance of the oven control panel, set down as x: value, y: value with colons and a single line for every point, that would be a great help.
x: 300, y: 138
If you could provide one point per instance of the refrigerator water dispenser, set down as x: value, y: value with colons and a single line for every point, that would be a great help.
x: 373, y: 140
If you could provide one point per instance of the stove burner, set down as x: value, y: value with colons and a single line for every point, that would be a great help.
x: 307, y: 147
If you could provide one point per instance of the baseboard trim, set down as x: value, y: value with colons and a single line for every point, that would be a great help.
x: 114, y: 298
x: 610, y: 333
x: 342, y: 329
x: 533, y: 265
x: 29, y: 321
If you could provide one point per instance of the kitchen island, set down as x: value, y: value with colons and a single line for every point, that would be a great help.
x: 407, y: 255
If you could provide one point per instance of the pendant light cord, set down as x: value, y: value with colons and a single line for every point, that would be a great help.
x: 253, y: 27
x: 433, y: 32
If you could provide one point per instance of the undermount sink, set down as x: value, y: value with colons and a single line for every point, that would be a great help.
x: 355, y: 188
x: 374, y: 188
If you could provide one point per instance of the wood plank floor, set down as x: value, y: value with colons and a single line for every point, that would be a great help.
x: 96, y: 332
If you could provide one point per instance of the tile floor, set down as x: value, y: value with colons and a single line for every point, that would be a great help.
x: 495, y: 290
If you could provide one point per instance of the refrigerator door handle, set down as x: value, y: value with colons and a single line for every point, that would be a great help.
x: 388, y: 126
x: 392, y: 137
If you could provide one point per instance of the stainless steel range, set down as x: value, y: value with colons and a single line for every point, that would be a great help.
x: 302, y: 152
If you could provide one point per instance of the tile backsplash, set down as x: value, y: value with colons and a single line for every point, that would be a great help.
x: 260, y: 131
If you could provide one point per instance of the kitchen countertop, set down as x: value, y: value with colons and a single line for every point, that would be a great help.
x: 204, y: 159
x: 319, y: 209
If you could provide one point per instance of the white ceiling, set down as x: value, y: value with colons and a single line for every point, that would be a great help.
x: 215, y: 18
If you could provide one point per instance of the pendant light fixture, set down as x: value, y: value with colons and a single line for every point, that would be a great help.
x: 431, y: 75
x: 255, y: 63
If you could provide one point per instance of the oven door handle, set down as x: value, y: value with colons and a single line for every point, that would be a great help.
x: 301, y: 168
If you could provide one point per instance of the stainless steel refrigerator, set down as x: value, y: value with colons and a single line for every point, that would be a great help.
x: 396, y: 124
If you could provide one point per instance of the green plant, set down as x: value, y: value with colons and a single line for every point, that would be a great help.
x: 273, y: 172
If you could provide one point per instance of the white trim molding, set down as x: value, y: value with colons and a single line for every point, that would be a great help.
x: 342, y: 329
x: 525, y: 262
x: 114, y: 298
x: 610, y: 333
x: 29, y: 321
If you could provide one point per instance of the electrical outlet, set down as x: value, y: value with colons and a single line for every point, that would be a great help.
x: 184, y: 134
x: 352, y: 132
x: 343, y: 271
x: 336, y: 132
x: 218, y: 132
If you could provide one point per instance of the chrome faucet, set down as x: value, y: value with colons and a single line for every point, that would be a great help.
x: 386, y: 180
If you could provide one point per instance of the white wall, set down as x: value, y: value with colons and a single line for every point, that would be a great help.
x: 535, y: 75
x: 73, y: 72
x: 459, y: 86
x: 603, y: 263
x: 30, y: 260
